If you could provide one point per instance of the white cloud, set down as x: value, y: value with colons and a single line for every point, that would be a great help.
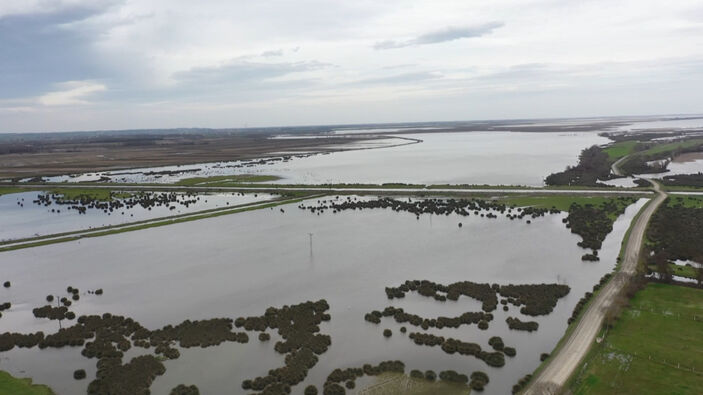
x: 71, y: 93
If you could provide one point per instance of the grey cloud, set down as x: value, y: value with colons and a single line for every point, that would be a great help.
x: 399, y: 78
x: 440, y: 36
x: 240, y: 73
x: 37, y: 50
x: 268, y: 54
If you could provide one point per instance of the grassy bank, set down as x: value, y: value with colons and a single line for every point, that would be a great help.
x: 617, y: 150
x: 9, y: 190
x: 10, y: 385
x: 655, y: 347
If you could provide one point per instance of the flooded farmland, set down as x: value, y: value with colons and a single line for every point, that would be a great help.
x: 498, y: 158
x: 239, y: 265
x: 23, y: 215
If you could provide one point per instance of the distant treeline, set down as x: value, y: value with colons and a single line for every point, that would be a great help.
x: 692, y: 180
x: 637, y: 163
x: 594, y: 164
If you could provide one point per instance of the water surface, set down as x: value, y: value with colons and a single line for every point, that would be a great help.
x: 238, y: 265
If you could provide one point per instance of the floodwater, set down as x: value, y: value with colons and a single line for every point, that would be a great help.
x: 688, y: 163
x: 497, y: 158
x: 238, y: 265
x: 685, y: 123
x: 29, y: 220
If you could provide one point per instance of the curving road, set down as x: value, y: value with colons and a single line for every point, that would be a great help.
x: 554, y: 376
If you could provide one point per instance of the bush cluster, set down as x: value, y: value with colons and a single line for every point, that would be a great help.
x: 451, y: 346
x: 515, y: 323
x: 182, y: 389
x: 400, y: 316
x: 521, y: 383
x: 298, y: 326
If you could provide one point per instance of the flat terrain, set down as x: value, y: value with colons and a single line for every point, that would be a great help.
x: 87, y: 153
x: 654, y: 348
x: 561, y: 366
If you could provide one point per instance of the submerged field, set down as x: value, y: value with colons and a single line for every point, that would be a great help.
x: 38, y: 213
x: 495, y: 157
x: 654, y: 347
x: 240, y: 265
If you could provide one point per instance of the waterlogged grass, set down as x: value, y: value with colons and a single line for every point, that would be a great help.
x: 616, y: 151
x: 679, y: 270
x: 9, y: 190
x: 654, y: 348
x: 559, y: 202
x: 397, y: 383
x: 10, y: 385
x: 227, y: 180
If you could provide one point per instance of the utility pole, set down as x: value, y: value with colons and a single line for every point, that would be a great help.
x: 310, y: 234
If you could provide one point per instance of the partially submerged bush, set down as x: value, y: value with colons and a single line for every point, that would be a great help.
x: 182, y: 389
x: 516, y: 324
x: 79, y: 374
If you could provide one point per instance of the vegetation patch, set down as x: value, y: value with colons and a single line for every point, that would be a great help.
x: 21, y: 386
x: 298, y: 326
x: 594, y: 164
x: 675, y: 232
x: 593, y: 223
x: 683, y: 180
x: 537, y: 299
x: 516, y: 324
x: 183, y: 389
x: 400, y: 316
x: 451, y: 346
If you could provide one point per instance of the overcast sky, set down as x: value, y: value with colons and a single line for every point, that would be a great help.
x: 118, y: 64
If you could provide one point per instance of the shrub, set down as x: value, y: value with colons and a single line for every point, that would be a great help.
x: 79, y: 374
x: 310, y: 390
x: 183, y: 389
x: 387, y: 333
x: 6, y: 284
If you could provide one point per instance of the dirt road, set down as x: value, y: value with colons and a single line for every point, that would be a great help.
x: 558, y: 370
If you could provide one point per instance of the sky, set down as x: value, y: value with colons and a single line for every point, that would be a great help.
x: 130, y: 64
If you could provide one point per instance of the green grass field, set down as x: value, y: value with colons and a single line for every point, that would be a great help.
x: 616, y: 151
x: 660, y: 148
x: 656, y: 347
x: 9, y: 190
x: 10, y: 385
x: 686, y: 201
